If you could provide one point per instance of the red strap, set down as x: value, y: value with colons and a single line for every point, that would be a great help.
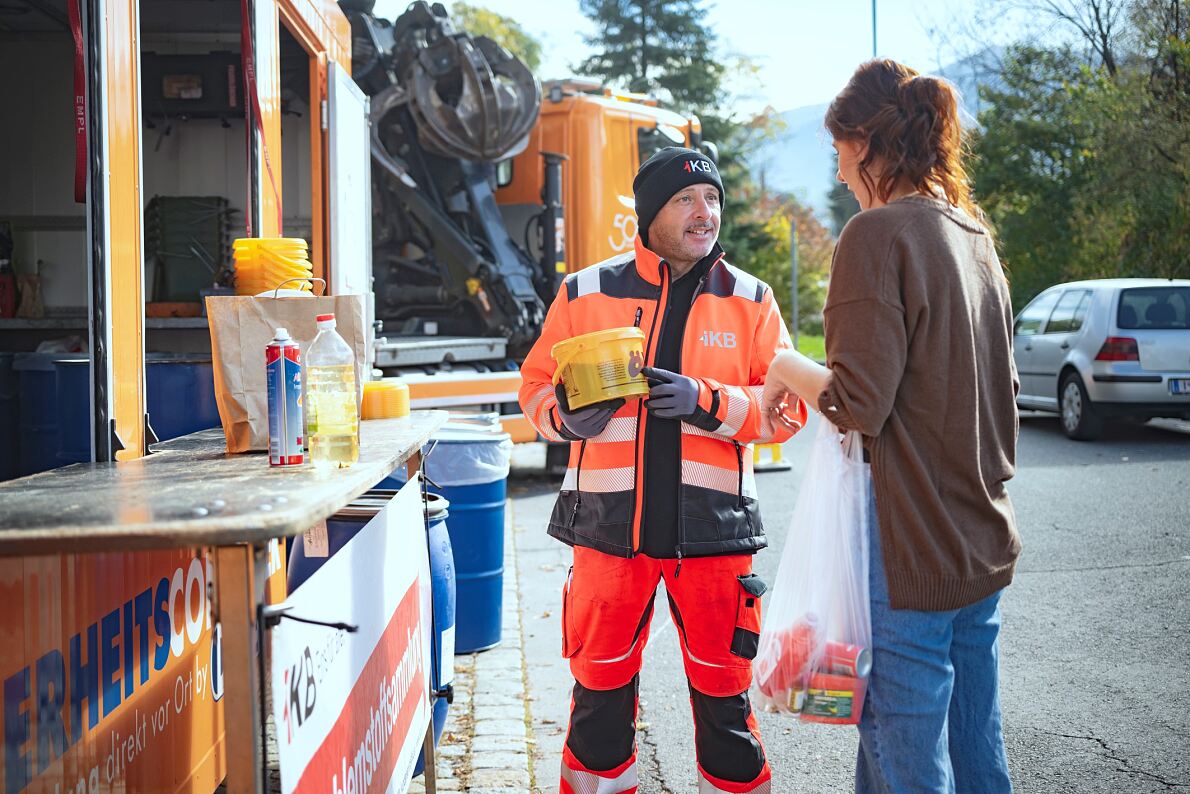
x: 80, y: 104
x: 249, y: 62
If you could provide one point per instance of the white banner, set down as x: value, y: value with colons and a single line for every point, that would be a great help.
x: 351, y: 709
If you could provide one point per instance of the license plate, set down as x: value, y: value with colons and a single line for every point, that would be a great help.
x: 1179, y: 385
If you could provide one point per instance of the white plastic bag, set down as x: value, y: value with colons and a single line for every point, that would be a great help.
x: 814, y: 654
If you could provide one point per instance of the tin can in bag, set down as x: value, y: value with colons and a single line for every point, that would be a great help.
x: 283, y: 373
x: 840, y: 658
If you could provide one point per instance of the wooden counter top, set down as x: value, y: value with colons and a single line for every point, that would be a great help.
x: 190, y: 492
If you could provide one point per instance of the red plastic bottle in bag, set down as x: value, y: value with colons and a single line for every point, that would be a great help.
x: 797, y: 645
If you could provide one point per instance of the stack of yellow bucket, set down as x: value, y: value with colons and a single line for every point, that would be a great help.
x: 385, y: 399
x: 265, y: 263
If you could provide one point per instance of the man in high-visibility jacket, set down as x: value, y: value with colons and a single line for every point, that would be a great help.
x: 663, y: 488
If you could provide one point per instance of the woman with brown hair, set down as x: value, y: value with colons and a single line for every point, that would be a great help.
x: 919, y: 361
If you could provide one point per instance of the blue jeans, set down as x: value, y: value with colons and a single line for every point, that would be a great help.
x: 931, y: 719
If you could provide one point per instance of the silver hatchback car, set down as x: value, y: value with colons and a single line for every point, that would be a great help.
x: 1094, y: 350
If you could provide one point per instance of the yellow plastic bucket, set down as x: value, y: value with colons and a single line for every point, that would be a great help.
x: 601, y: 366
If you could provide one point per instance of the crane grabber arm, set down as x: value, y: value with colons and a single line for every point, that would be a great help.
x: 446, y: 107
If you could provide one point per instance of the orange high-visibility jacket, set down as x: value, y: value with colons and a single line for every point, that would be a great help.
x: 733, y: 331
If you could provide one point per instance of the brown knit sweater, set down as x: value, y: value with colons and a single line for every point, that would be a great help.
x: 919, y: 343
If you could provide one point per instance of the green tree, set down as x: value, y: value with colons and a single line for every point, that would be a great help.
x: 1083, y: 170
x: 773, y: 263
x: 505, y: 31
x: 1032, y: 157
x: 663, y: 47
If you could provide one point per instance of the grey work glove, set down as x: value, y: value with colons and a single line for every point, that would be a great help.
x: 585, y: 422
x: 671, y: 396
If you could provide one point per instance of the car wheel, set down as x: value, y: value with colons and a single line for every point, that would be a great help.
x: 1079, y: 418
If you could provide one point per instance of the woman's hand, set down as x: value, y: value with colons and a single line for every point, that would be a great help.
x: 778, y: 394
x: 790, y: 374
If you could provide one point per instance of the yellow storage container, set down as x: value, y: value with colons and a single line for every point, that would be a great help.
x: 603, y: 365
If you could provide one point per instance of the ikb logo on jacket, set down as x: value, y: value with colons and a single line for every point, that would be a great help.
x: 724, y: 339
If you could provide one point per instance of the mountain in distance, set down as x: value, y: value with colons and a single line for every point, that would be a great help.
x: 798, y: 159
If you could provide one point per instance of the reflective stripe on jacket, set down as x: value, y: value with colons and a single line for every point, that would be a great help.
x: 733, y: 331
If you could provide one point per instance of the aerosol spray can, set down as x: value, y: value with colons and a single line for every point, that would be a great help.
x: 283, y: 371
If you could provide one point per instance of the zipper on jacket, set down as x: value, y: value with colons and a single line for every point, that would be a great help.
x: 739, y: 454
x: 681, y: 347
x: 640, y: 415
x: 578, y: 491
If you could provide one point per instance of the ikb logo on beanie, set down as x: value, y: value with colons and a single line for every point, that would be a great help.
x: 665, y: 173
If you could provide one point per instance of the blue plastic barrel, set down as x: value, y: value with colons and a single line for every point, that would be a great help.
x: 442, y: 577
x: 477, y: 534
x: 39, y: 411
x: 339, y: 530
x: 469, y: 466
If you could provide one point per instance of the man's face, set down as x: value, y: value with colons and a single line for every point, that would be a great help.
x: 686, y: 228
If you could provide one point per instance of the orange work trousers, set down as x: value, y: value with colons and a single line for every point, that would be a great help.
x: 607, y: 607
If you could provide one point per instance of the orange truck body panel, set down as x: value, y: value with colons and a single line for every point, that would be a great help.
x: 122, y: 133
x: 114, y: 678
x: 598, y: 135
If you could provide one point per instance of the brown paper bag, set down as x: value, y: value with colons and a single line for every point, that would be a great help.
x: 241, y: 328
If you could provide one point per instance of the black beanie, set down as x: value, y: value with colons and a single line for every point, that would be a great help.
x: 665, y: 173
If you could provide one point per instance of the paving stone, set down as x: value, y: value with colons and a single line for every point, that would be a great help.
x: 496, y: 744
x: 500, y: 727
x: 452, y: 750
x: 509, y: 762
x: 504, y: 684
x: 510, y: 657
x: 511, y: 711
x: 502, y: 700
x: 484, y: 779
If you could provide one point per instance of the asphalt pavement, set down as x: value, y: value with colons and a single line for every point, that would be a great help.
x: 1095, y: 677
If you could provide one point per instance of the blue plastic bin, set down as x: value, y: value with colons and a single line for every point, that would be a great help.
x: 39, y: 411
x: 10, y: 419
x: 73, y: 405
x: 469, y: 466
x: 179, y: 396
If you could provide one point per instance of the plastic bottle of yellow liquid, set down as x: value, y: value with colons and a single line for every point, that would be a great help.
x: 332, y: 413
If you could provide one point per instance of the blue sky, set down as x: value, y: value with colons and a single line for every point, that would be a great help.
x: 806, y: 49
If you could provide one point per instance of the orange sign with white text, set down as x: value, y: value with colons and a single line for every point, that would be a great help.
x: 112, y: 674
